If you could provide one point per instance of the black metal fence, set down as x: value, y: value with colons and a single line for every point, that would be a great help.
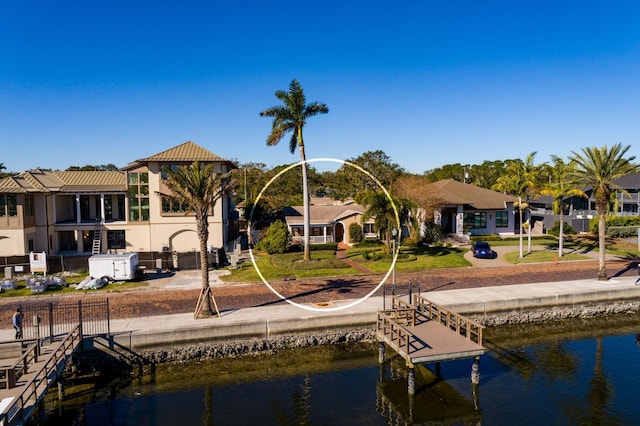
x: 52, y: 321
x: 150, y: 260
x: 405, y: 291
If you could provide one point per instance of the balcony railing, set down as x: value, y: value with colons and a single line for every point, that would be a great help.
x: 314, y: 239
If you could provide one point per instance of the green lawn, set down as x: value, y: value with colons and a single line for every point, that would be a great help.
x: 378, y: 259
x: 290, y: 265
x: 411, y: 258
x: 541, y: 256
x: 324, y: 263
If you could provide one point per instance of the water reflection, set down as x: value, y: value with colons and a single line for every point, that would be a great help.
x: 434, y: 401
x: 571, y: 374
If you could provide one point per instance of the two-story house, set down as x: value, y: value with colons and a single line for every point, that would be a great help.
x: 90, y: 212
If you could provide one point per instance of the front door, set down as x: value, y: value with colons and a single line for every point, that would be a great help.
x: 339, y: 232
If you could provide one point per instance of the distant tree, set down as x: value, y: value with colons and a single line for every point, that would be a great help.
x: 448, y: 171
x: 560, y: 187
x: 92, y: 168
x: 484, y: 175
x: 599, y: 168
x: 3, y: 174
x: 349, y: 182
x: 291, y: 117
x: 425, y: 197
x: 249, y: 179
x: 285, y: 190
x: 199, y: 187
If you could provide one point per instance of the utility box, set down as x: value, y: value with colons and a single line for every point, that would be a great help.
x: 115, y: 267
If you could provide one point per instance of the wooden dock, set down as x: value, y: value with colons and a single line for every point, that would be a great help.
x: 424, y: 332
x: 25, y: 380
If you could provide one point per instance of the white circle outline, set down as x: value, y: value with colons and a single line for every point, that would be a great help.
x: 356, y: 301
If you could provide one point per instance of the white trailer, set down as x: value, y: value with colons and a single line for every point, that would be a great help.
x: 115, y: 267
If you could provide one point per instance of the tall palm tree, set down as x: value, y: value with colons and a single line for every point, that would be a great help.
x: 199, y: 188
x: 291, y: 117
x: 599, y: 168
x: 519, y: 180
x: 559, y: 188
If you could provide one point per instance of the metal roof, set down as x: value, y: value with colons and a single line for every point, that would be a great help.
x: 185, y: 152
x: 65, y: 182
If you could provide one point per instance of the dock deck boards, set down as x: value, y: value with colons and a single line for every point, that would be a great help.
x: 435, y: 342
x: 428, y: 333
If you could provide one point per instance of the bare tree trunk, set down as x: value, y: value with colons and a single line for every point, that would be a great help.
x: 206, y: 302
x: 529, y: 226
x: 520, y: 212
x: 602, y: 231
x: 561, y: 239
x: 305, y: 196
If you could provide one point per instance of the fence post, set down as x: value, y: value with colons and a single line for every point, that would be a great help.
x: 51, y: 335
x: 108, y: 319
x: 80, y: 318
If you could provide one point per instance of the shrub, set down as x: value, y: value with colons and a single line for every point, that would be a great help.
x: 277, y: 240
x: 567, y: 229
x: 324, y: 246
x: 369, y: 242
x: 355, y: 233
x: 486, y: 237
x: 616, y: 224
x: 433, y: 233
x: 412, y: 241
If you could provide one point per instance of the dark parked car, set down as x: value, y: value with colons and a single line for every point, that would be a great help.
x: 483, y: 249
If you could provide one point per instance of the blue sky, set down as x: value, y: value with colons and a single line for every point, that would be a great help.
x: 429, y: 83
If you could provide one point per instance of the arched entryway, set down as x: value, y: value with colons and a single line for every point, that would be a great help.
x: 338, y: 231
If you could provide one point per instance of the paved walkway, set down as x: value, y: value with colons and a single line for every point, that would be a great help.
x: 285, y: 318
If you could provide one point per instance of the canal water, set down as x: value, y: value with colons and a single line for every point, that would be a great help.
x: 575, y: 372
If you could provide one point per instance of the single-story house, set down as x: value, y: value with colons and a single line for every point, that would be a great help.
x: 466, y: 208
x: 328, y: 222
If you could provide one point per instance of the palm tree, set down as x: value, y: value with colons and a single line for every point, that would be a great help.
x: 519, y: 180
x: 386, y: 217
x: 199, y: 188
x: 599, y: 168
x: 292, y: 116
x: 559, y: 188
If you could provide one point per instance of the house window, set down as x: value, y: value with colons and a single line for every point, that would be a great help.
x: 171, y: 205
x: 502, y: 219
x: 29, y: 206
x: 138, y: 196
x: 116, y: 240
x: 367, y: 228
x: 8, y: 205
x: 476, y: 220
x: 85, y: 208
x: 163, y: 172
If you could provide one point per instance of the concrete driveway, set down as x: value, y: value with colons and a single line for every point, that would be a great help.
x: 502, y: 250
